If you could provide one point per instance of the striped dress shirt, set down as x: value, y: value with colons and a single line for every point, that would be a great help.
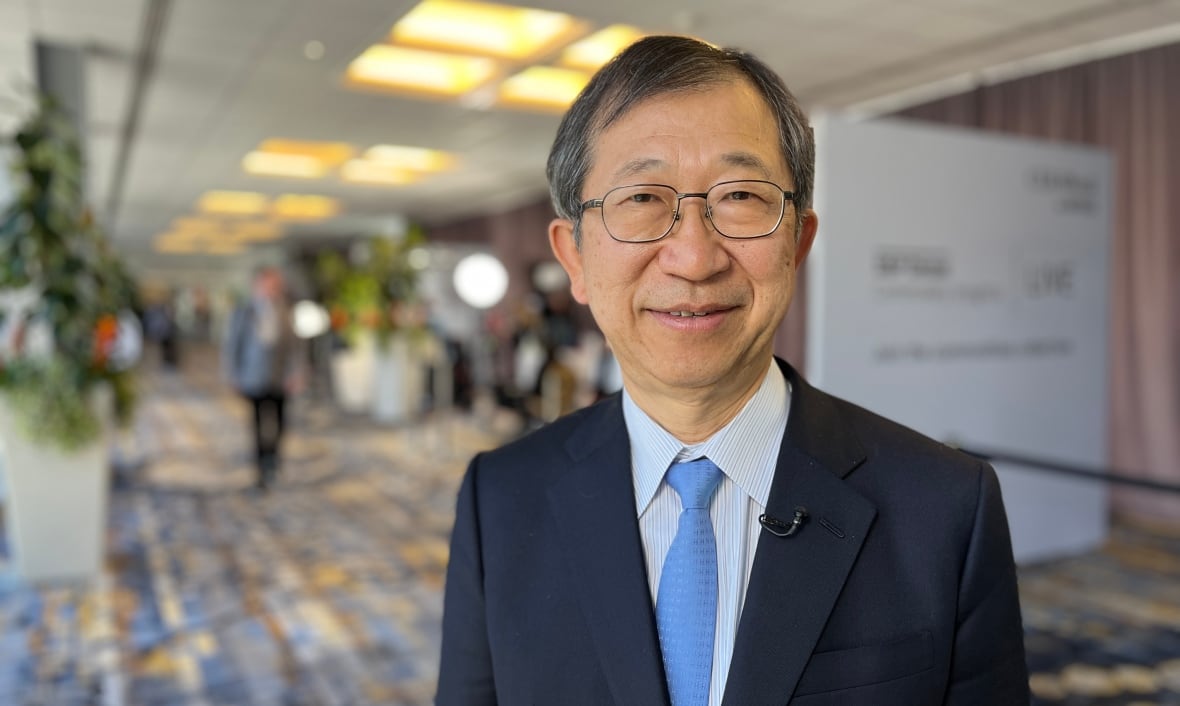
x: 746, y: 451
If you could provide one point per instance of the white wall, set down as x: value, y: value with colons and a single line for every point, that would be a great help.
x: 959, y: 286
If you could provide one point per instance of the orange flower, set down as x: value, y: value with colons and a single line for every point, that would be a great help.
x: 338, y: 318
x: 106, y: 330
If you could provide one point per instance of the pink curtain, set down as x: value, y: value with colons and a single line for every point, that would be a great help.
x: 1128, y: 105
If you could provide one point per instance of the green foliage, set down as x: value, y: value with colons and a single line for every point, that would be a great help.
x: 363, y: 295
x: 52, y: 404
x: 50, y: 242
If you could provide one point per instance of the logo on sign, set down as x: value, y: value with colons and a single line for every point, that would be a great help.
x: 1049, y: 279
x: 896, y: 262
x: 1073, y: 192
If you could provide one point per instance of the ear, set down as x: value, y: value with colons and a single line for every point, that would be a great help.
x: 806, y: 237
x: 561, y: 240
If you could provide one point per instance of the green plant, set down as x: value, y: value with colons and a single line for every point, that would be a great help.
x: 364, y: 293
x: 50, y: 244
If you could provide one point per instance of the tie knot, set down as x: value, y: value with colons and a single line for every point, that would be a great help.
x: 694, y: 482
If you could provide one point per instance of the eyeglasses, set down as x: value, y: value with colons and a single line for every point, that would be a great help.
x: 643, y: 213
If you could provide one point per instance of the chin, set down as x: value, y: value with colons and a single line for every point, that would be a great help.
x: 690, y: 377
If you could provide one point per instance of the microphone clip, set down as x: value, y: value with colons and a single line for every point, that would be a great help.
x: 784, y: 529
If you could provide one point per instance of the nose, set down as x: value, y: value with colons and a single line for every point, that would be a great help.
x: 693, y: 250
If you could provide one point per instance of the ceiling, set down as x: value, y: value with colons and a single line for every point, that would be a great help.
x: 230, y: 73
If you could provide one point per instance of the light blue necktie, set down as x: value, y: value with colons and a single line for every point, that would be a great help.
x: 686, y: 603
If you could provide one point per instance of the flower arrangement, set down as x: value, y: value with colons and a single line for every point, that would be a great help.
x: 59, y: 343
x: 366, y: 291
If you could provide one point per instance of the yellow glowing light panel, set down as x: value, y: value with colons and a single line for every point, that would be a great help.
x: 238, y: 203
x: 285, y: 165
x: 501, y: 31
x: 421, y: 72
x: 543, y: 87
x: 304, y: 207
x: 331, y: 154
x: 364, y: 171
x: 602, y: 46
x: 250, y: 231
x: 418, y: 159
x: 194, y: 224
x: 303, y: 159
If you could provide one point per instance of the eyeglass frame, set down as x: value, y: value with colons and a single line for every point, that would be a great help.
x: 680, y: 196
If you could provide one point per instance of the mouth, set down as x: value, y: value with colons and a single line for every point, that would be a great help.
x: 693, y: 312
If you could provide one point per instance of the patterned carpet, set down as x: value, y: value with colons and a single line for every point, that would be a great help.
x: 326, y: 590
x: 1104, y: 628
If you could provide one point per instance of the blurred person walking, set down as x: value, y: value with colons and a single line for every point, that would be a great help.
x: 260, y: 358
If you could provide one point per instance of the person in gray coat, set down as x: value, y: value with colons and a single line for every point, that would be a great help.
x: 261, y: 359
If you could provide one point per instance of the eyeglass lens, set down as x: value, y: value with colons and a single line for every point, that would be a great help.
x: 737, y: 209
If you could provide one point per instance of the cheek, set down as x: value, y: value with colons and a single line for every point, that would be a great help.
x: 774, y: 275
x: 611, y: 274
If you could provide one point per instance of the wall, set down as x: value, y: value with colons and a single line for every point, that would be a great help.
x: 1127, y: 105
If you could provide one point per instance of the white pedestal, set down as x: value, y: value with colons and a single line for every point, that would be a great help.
x: 56, y: 510
x: 352, y: 374
x: 398, y: 383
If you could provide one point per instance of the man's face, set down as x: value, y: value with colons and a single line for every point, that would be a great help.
x: 269, y: 284
x: 690, y: 141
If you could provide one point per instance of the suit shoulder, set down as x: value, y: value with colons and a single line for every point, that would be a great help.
x: 905, y: 451
x: 874, y: 427
x: 547, y: 446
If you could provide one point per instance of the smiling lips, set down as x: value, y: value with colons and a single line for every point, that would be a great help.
x: 681, y: 313
x: 689, y: 310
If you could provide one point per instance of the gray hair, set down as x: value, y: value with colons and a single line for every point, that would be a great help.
x: 659, y: 65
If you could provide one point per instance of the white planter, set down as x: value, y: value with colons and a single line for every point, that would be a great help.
x: 352, y: 374
x: 398, y: 383
x: 56, y: 508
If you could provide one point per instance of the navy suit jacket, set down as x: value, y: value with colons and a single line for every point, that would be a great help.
x: 899, y: 590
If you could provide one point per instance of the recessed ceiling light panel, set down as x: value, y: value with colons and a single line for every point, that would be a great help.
x: 593, y: 52
x: 283, y: 165
x: 543, y: 87
x: 304, y: 207
x: 234, y: 203
x: 419, y: 72
x: 486, y: 29
x: 418, y: 159
x: 364, y: 171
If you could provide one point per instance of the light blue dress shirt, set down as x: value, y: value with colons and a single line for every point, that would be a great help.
x: 746, y: 451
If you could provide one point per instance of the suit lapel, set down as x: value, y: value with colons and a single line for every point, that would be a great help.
x: 593, y: 505
x: 795, y: 580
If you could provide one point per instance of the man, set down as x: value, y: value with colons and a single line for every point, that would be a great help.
x: 721, y: 532
x: 261, y: 358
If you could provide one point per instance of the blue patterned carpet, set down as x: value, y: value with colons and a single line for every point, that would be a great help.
x: 1104, y: 629
x: 326, y: 590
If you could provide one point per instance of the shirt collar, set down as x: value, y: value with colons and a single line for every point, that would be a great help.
x: 740, y: 449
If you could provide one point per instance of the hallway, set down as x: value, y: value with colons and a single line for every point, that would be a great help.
x: 326, y: 590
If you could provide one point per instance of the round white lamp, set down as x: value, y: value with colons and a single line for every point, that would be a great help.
x: 481, y: 280
x: 309, y: 319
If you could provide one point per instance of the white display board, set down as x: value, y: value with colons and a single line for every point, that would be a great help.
x: 959, y: 285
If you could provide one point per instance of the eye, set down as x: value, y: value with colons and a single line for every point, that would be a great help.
x: 641, y: 198
x: 739, y: 195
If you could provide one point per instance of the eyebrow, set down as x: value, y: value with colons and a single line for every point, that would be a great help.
x: 733, y: 159
x: 638, y: 166
x: 746, y: 159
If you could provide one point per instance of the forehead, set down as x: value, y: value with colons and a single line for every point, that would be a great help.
x: 716, y: 126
